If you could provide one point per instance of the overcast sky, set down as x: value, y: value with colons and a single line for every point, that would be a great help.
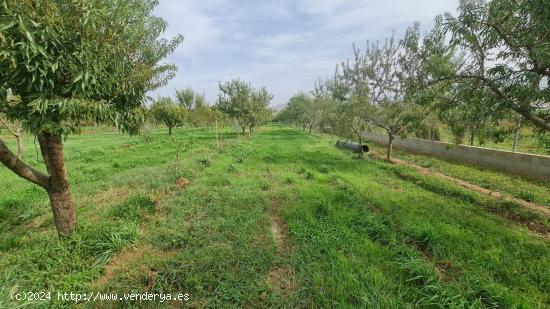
x: 281, y: 44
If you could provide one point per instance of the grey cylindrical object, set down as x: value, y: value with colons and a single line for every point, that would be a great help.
x: 355, y: 147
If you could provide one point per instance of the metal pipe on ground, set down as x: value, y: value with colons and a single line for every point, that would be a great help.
x: 355, y: 147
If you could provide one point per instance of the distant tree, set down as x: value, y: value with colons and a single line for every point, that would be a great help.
x: 73, y: 61
x: 301, y: 110
x: 234, y: 99
x: 384, y: 82
x: 326, y: 99
x: 259, y: 112
x: 197, y: 108
x: 246, y: 105
x: 14, y: 127
x: 165, y: 111
x: 352, y: 119
x: 186, y: 97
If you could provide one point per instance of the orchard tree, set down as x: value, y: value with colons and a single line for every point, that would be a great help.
x: 246, y: 105
x: 506, y: 52
x: 293, y: 113
x: 68, y: 62
x: 301, y: 111
x: 259, y: 112
x: 326, y: 99
x: 234, y: 99
x: 384, y: 81
x: 165, y: 111
x: 352, y: 119
x: 15, y: 128
x: 186, y: 97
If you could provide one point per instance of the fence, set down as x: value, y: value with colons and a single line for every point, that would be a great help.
x: 531, y: 165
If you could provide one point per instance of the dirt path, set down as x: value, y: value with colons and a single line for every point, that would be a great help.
x: 494, y: 194
x: 280, y: 278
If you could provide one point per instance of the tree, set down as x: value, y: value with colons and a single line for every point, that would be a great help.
x: 246, y: 105
x: 326, y: 98
x: 165, y: 111
x: 186, y: 97
x: 388, y: 81
x: 259, y: 112
x: 16, y: 130
x: 73, y: 61
x: 14, y: 127
x: 506, y: 53
x: 301, y: 111
x: 234, y: 99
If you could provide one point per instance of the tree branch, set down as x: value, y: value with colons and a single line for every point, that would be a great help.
x: 21, y: 168
x: 537, y: 121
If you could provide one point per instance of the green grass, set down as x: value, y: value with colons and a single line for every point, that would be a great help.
x: 279, y: 220
x: 531, y: 190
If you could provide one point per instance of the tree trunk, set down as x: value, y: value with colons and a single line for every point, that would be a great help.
x: 244, y: 130
x: 310, y: 129
x: 59, y: 191
x: 170, y: 131
x: 19, y: 138
x: 390, y: 147
x: 516, y: 137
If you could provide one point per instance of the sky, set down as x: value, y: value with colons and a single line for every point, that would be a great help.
x: 284, y: 45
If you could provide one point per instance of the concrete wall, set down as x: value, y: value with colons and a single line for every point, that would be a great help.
x: 531, y: 165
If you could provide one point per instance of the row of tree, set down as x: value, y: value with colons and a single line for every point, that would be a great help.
x: 483, y: 73
x: 189, y: 108
x: 238, y: 101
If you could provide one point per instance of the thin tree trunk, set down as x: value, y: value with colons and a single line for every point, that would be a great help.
x: 244, y: 130
x: 170, y: 131
x: 390, y: 147
x: 19, y: 138
x: 59, y: 191
x: 516, y: 137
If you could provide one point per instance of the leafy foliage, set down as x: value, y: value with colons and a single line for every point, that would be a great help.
x: 165, y: 111
x: 505, y: 56
x: 248, y: 106
x: 70, y: 62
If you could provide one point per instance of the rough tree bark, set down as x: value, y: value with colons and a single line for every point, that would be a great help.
x: 58, y: 190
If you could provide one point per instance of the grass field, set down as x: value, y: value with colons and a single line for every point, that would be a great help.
x: 281, y: 219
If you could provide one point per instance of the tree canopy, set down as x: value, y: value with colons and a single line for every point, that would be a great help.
x: 165, y: 111
x: 248, y: 106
